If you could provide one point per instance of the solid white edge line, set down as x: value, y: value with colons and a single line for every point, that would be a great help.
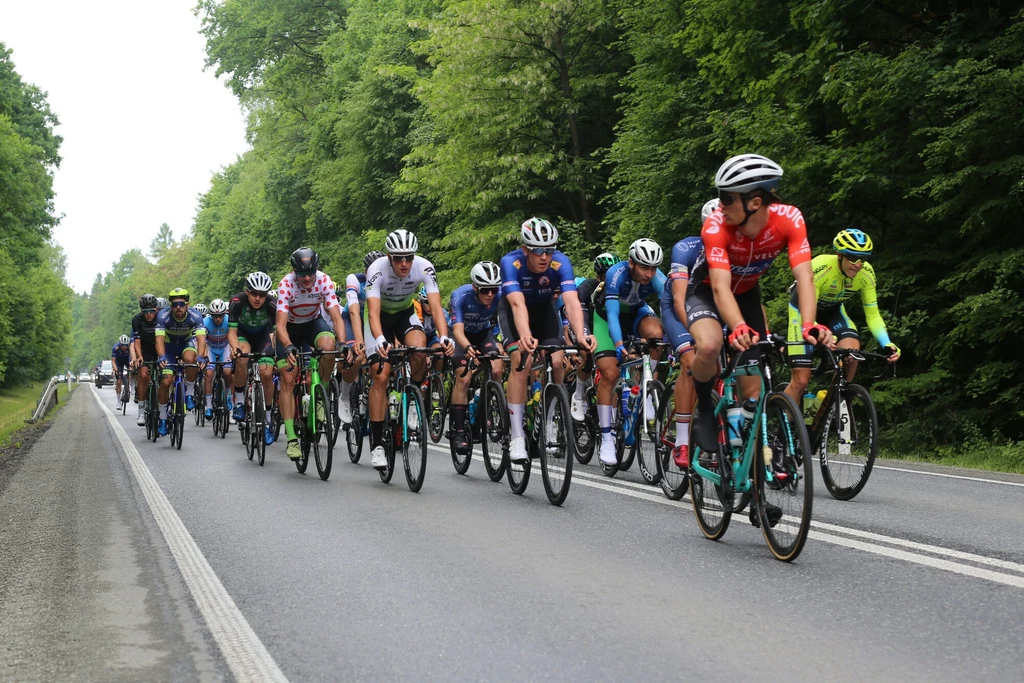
x: 926, y: 560
x: 949, y: 476
x: 244, y: 652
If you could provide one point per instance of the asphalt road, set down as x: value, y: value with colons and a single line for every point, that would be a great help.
x: 921, y: 578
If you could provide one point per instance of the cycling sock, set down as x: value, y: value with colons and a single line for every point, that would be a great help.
x: 376, y: 434
x: 604, y: 420
x: 704, y: 395
x: 346, y: 390
x: 209, y: 400
x: 580, y: 389
x: 188, y: 388
x: 165, y: 410
x: 239, y: 394
x: 269, y: 415
x: 459, y: 417
x: 289, y: 429
x: 682, y: 429
x: 517, y: 409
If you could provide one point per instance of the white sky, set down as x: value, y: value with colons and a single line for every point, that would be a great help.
x: 144, y: 126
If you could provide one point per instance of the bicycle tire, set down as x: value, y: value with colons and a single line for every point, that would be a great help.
x: 414, y: 444
x: 259, y: 416
x: 646, y: 449
x: 389, y: 437
x: 713, y: 516
x: 355, y: 431
x: 846, y: 474
x: 585, y: 433
x: 789, y: 436
x: 301, y: 429
x: 518, y: 475
x: 674, y: 480
x: 494, y: 443
x: 437, y: 408
x: 556, y: 444
x: 323, y: 451
x: 179, y: 416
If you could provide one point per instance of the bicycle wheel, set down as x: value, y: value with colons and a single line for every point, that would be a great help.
x: 712, y: 513
x: 354, y: 431
x: 323, y: 452
x: 256, y: 421
x: 848, y: 449
x: 607, y: 469
x: 437, y: 407
x: 151, y: 412
x: 585, y: 433
x: 302, y: 431
x: 179, y: 416
x: 674, y: 479
x: 645, y: 443
x: 414, y: 443
x: 495, y: 437
x: 790, y: 486
x: 389, y: 436
x: 556, y: 444
x: 518, y: 475
x: 334, y: 396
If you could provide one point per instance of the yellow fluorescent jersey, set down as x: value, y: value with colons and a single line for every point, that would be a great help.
x: 833, y: 288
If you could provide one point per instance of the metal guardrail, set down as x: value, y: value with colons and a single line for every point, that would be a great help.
x: 46, y: 401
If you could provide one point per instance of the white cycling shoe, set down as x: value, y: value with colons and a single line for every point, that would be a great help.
x: 517, y: 449
x: 345, y: 411
x: 608, y: 456
x: 578, y: 408
x: 141, y: 419
x: 380, y: 458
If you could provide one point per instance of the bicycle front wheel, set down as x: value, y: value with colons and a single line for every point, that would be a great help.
x: 712, y: 502
x: 334, y: 394
x: 354, y: 430
x: 556, y: 443
x: 256, y: 419
x: 320, y: 437
x: 494, y: 443
x: 302, y: 429
x: 645, y: 443
x: 414, y: 445
x: 179, y: 417
x: 848, y: 449
x: 437, y: 404
x: 674, y: 479
x: 784, y: 490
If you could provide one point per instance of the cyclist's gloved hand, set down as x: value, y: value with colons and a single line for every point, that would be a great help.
x: 166, y: 360
x: 816, y: 333
x: 743, y: 337
x: 292, y: 353
x: 448, y: 345
x: 201, y: 361
x: 620, y: 352
x: 892, y: 351
x: 383, y: 348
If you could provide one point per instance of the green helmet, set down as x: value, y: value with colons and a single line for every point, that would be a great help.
x: 603, y: 262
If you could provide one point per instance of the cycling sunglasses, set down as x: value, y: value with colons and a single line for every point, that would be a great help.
x: 179, y: 304
x: 149, y: 310
x: 254, y: 293
x: 403, y: 258
x: 484, y: 291
x: 727, y: 198
x: 541, y: 251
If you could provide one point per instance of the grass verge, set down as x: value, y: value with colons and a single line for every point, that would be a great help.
x: 975, y: 456
x: 18, y: 404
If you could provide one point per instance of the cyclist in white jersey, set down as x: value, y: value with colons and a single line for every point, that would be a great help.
x: 303, y: 295
x: 355, y: 296
x: 391, y: 285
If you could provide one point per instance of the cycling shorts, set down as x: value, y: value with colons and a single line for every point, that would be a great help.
x: 483, y: 342
x: 545, y: 325
x: 259, y: 342
x: 304, y: 337
x: 175, y: 351
x: 394, y: 327
x: 834, y: 319
x: 628, y: 322
x: 223, y: 354
x: 700, y: 304
x: 676, y: 333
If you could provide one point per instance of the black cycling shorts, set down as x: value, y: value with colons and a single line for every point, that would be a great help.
x: 545, y: 325
x: 484, y: 342
x: 700, y: 304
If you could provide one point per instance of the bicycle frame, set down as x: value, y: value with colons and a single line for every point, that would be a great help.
x: 647, y: 376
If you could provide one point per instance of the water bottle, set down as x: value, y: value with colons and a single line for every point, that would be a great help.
x: 393, y: 405
x: 472, y: 405
x: 747, y: 412
x: 809, y: 409
x: 735, y: 420
x: 624, y: 401
x: 305, y: 405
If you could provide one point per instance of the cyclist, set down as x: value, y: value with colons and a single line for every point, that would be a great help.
x: 144, y: 349
x: 179, y: 334
x: 161, y: 303
x: 391, y: 286
x: 621, y: 310
x: 251, y: 318
x: 527, y: 315
x: 474, y: 309
x: 426, y: 316
x: 302, y: 296
x: 217, y: 326
x: 355, y: 295
x: 120, y: 359
x: 201, y: 309
x: 837, y: 277
x: 673, y: 316
x: 741, y: 240
x: 585, y: 290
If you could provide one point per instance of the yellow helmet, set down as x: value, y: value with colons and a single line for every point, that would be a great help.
x: 853, y: 242
x: 178, y: 293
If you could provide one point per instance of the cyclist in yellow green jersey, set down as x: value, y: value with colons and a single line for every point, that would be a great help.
x: 837, y: 277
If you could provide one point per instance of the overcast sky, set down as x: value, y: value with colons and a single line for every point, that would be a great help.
x: 144, y: 126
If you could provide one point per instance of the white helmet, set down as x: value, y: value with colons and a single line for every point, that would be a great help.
x: 201, y: 308
x: 401, y: 242
x: 123, y: 339
x: 537, y: 232
x: 708, y: 209
x: 747, y: 172
x: 485, y: 274
x: 646, y: 252
x: 258, y: 282
x: 218, y: 307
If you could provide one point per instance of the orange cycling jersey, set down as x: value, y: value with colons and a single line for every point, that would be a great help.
x: 726, y: 248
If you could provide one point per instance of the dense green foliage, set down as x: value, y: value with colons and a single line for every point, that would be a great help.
x: 458, y: 118
x: 35, y: 313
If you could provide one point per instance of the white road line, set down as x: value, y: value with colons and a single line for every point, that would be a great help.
x: 950, y: 476
x: 593, y: 481
x: 245, y: 654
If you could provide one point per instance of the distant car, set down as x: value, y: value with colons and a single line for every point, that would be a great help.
x: 84, y: 377
x: 104, y: 374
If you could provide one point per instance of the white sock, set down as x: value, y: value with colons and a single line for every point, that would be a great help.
x: 517, y: 410
x: 581, y: 389
x: 604, y: 421
x: 209, y: 400
x: 346, y: 390
x: 188, y: 388
x: 239, y: 395
x: 682, y: 429
x: 267, y: 418
x: 165, y: 410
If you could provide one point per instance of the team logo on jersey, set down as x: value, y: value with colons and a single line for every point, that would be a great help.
x: 555, y: 265
x: 717, y: 252
x: 517, y: 263
x: 713, y: 229
x: 543, y: 281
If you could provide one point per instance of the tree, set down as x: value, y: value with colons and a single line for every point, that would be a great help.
x: 163, y: 241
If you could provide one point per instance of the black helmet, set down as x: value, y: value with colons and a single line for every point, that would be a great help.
x: 147, y: 301
x: 371, y: 257
x: 305, y: 260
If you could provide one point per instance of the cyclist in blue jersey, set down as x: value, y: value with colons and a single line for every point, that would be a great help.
x: 527, y: 316
x: 474, y: 308
x: 620, y: 310
x: 179, y: 334
x: 355, y: 296
x: 217, y: 326
x: 121, y: 358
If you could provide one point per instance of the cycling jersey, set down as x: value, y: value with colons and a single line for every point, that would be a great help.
x: 536, y: 288
x: 395, y: 293
x: 684, y: 256
x: 427, y: 320
x: 305, y: 305
x: 726, y: 248
x: 624, y: 297
x: 833, y: 289
x: 467, y: 309
x: 216, y: 335
x: 355, y: 289
x: 120, y: 353
x: 251, y: 321
x: 179, y: 331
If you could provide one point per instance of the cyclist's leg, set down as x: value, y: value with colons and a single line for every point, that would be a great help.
x: 515, y: 391
x: 705, y: 326
x: 844, y: 330
x: 349, y: 376
x: 265, y: 347
x: 799, y: 357
x: 608, y: 365
x: 753, y: 313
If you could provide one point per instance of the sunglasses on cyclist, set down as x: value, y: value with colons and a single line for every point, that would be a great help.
x: 541, y: 251
x: 149, y: 310
x: 727, y: 198
x: 305, y: 275
x: 179, y: 304
x: 485, y: 291
x: 252, y: 293
x: 855, y: 262
x: 403, y: 258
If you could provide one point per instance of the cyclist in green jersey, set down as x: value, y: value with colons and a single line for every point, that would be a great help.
x: 837, y: 277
